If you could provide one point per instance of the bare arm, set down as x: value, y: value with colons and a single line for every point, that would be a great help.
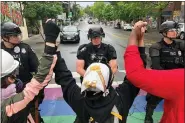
x: 80, y: 67
x: 114, y: 66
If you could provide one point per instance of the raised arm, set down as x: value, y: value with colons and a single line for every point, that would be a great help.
x: 164, y: 83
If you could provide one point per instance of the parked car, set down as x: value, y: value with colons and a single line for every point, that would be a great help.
x: 181, y: 31
x: 127, y: 27
x: 70, y: 33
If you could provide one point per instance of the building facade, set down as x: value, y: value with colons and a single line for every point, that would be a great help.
x: 12, y: 11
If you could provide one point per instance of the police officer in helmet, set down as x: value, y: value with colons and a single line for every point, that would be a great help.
x: 165, y: 54
x: 95, y: 51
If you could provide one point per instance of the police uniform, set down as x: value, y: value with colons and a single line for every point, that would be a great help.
x: 164, y: 57
x: 91, y: 54
x: 27, y: 58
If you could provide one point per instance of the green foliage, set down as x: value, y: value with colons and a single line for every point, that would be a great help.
x: 97, y: 10
x: 88, y: 11
x: 126, y: 11
x: 107, y: 12
x: 41, y: 10
x: 77, y: 12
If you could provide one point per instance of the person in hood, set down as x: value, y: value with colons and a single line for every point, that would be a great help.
x: 167, y: 84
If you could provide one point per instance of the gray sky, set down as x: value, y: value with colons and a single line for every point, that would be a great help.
x: 84, y: 4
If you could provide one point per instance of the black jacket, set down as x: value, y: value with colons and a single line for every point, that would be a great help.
x: 27, y: 58
x: 100, y: 109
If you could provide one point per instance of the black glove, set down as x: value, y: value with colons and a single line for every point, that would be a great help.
x: 51, y: 31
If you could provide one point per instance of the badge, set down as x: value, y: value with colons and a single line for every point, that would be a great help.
x: 83, y: 49
x: 179, y: 53
x: 93, y: 56
x: 23, y: 50
x: 32, y: 50
x: 16, y: 49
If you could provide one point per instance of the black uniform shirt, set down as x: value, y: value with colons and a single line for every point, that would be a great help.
x: 90, y: 53
x: 28, y: 61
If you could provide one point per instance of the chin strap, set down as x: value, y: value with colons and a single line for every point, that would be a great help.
x: 167, y: 37
x: 10, y: 42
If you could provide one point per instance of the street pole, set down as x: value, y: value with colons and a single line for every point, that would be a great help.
x: 69, y: 12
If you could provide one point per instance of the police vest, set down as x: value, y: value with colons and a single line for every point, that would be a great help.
x: 171, y: 57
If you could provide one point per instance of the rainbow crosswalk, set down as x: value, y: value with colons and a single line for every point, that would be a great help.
x: 54, y: 109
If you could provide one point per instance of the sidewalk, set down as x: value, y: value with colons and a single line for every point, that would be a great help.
x: 150, y: 37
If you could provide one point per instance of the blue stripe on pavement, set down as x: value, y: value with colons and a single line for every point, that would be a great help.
x: 60, y: 107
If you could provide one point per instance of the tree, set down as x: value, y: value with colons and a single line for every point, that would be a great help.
x: 97, y: 10
x: 34, y: 11
x: 88, y: 11
x: 77, y: 12
x: 107, y: 12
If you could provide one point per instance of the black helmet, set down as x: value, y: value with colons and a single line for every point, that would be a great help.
x: 9, y: 28
x: 165, y: 26
x: 95, y: 32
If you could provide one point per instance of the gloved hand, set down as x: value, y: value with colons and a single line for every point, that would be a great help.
x: 19, y: 85
x: 51, y: 31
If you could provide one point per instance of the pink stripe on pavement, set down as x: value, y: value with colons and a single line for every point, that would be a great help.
x: 53, y: 94
x: 56, y: 93
x: 142, y: 93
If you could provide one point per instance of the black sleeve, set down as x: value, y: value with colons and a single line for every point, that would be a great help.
x: 143, y: 55
x: 156, y: 63
x: 182, y: 46
x: 155, y: 57
x: 33, y: 60
x: 127, y: 90
x: 81, y: 52
x: 111, y: 53
x: 71, y: 91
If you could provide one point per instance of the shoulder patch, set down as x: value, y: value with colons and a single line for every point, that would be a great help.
x: 156, y: 46
x: 82, y: 48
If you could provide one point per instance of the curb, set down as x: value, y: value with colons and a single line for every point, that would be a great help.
x: 32, y: 37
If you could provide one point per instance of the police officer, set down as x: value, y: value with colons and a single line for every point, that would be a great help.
x: 95, y: 51
x: 22, y: 52
x: 165, y: 54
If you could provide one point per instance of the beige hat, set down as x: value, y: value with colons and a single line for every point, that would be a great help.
x: 96, y: 78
